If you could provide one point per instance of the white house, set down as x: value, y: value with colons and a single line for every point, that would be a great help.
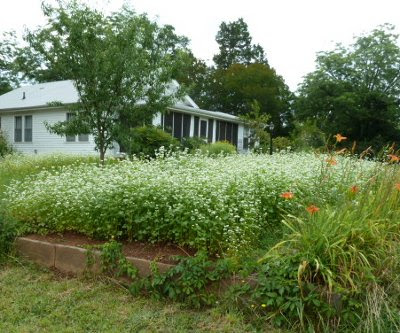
x: 23, y: 112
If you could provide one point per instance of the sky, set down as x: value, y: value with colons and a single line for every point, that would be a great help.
x: 290, y: 31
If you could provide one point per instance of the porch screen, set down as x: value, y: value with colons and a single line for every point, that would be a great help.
x: 227, y: 132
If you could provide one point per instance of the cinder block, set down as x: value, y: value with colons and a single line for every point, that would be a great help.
x: 40, y: 252
x: 72, y: 259
x: 143, y: 266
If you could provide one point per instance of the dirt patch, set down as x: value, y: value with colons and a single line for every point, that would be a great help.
x: 160, y: 252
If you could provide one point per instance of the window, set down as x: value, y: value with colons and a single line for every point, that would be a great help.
x: 28, y: 129
x: 186, y: 125
x: 18, y: 129
x: 203, y: 129
x: 246, y: 134
x: 23, y: 129
x: 72, y: 138
x: 210, y: 129
x: 196, y: 126
x: 83, y: 137
x: 227, y: 131
x: 177, y: 124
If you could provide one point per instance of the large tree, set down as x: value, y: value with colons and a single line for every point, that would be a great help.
x: 242, y: 76
x: 195, y: 75
x: 355, y: 90
x: 8, y: 78
x: 236, y: 89
x: 235, y: 46
x: 122, y: 66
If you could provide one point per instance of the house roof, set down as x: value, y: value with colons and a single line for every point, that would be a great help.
x: 206, y: 113
x: 41, y: 94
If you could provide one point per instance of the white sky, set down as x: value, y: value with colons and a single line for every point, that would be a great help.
x: 291, y: 31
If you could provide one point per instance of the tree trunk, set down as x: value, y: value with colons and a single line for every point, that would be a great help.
x: 102, y: 154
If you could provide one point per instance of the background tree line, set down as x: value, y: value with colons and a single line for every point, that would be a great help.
x: 124, y: 58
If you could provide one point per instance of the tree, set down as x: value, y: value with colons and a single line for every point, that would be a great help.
x: 122, y: 66
x: 195, y: 75
x: 258, y: 123
x: 236, y: 88
x: 8, y: 79
x: 355, y: 90
x: 235, y: 46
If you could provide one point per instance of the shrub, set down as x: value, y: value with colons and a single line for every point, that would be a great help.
x: 282, y: 143
x: 219, y: 147
x: 146, y: 140
x: 193, y: 144
x: 308, y: 136
x: 5, y: 146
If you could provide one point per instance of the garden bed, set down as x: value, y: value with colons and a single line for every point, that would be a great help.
x: 160, y: 252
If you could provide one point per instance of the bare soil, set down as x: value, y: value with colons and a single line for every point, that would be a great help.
x: 160, y: 252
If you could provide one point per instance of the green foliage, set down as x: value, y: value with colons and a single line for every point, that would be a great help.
x: 235, y: 89
x: 195, y: 75
x: 236, y: 198
x: 117, y: 62
x: 147, y: 140
x: 282, y: 143
x: 258, y: 124
x: 114, y: 262
x: 8, y: 232
x: 355, y: 89
x: 218, y: 148
x: 348, y: 255
x: 190, y: 281
x: 193, y: 143
x: 307, y: 136
x: 235, y: 46
x: 5, y: 146
x: 8, y: 77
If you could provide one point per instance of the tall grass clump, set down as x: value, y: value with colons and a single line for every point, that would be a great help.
x: 344, y: 261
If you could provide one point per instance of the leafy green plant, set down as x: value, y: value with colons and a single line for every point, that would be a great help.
x: 282, y: 143
x: 218, y: 148
x: 146, y: 140
x: 190, y: 281
x: 5, y: 146
x: 114, y: 262
x: 193, y: 143
x: 343, y: 253
x: 8, y: 232
x: 307, y: 136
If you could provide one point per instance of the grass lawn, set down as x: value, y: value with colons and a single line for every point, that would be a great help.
x: 36, y: 300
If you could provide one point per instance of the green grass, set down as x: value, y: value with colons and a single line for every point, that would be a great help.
x: 36, y: 300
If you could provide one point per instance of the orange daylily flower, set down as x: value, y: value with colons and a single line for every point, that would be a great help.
x: 354, y: 189
x: 287, y: 195
x: 397, y: 186
x: 331, y: 161
x: 312, y: 209
x: 394, y: 158
x: 340, y: 137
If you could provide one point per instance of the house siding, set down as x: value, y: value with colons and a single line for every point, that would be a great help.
x: 42, y: 140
